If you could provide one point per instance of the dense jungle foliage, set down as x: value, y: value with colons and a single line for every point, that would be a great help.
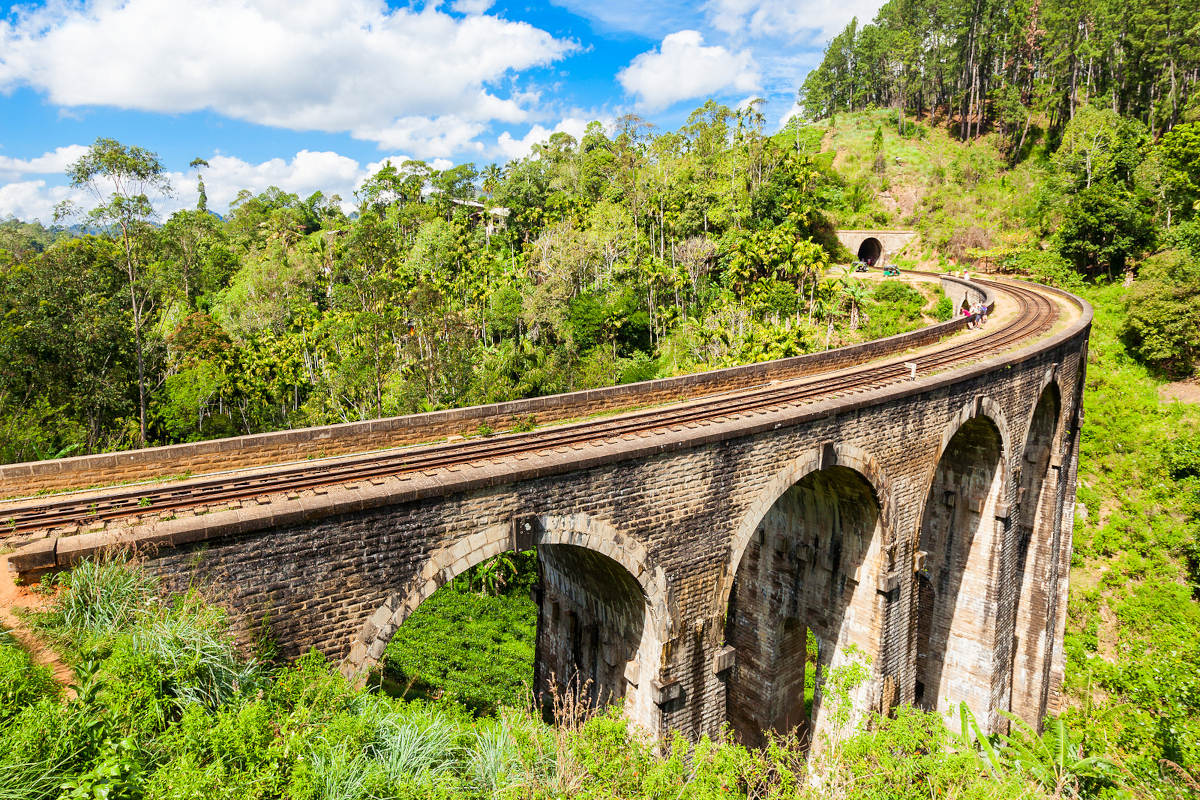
x: 1004, y: 67
x: 592, y: 262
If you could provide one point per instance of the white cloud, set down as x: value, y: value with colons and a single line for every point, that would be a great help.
x: 306, y: 172
x: 472, y: 6
x: 34, y: 200
x: 683, y: 67
x: 795, y: 110
x: 422, y: 79
x: 790, y: 19
x: 54, y: 162
x: 512, y: 148
x: 428, y: 137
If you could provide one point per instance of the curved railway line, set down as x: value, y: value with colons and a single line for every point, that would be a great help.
x: 1035, y: 315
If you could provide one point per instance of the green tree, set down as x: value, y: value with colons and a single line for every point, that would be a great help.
x: 122, y: 180
x: 202, y: 199
x: 1163, y: 309
x: 65, y: 344
x: 1103, y: 228
x: 1180, y: 149
x: 1100, y: 146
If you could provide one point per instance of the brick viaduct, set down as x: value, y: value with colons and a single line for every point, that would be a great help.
x: 922, y: 526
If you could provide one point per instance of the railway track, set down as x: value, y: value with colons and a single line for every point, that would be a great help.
x: 1036, y: 314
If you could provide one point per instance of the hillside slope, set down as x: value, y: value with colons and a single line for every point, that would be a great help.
x: 1133, y: 640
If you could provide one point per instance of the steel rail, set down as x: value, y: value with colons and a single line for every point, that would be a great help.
x: 1035, y: 315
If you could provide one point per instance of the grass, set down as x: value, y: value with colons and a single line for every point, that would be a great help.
x: 958, y: 195
x: 1133, y: 658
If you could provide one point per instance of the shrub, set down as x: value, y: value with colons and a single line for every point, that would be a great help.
x: 101, y: 596
x: 1164, y: 312
x: 22, y: 682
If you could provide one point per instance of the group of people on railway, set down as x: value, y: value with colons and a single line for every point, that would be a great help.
x: 976, y: 313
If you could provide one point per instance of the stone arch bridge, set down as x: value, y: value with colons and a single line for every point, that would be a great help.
x: 907, y: 503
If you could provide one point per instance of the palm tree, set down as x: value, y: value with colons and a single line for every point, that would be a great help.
x: 492, y: 176
x: 854, y: 296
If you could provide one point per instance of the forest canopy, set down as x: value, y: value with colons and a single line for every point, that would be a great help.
x: 625, y: 255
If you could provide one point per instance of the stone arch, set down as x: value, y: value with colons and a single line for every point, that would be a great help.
x: 806, y: 563
x: 960, y: 533
x: 850, y: 456
x: 1036, y: 557
x: 577, y: 540
x: 870, y: 250
x: 981, y: 406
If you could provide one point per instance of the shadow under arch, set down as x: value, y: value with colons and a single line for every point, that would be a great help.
x: 805, y: 563
x: 1037, y: 549
x: 959, y: 537
x: 604, y: 614
x: 870, y: 251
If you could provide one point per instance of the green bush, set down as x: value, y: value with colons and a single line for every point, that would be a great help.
x: 22, y: 682
x: 1163, y: 310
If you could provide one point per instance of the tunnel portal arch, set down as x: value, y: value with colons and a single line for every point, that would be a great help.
x: 871, y: 251
x: 603, y: 614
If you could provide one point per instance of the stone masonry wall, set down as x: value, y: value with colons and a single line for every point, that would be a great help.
x: 678, y: 516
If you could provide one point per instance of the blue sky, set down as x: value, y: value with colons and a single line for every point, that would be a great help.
x: 315, y: 94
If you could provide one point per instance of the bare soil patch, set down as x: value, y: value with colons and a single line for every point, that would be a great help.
x: 14, y: 598
x: 1184, y: 391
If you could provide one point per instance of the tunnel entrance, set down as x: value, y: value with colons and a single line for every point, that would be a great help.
x: 870, y: 251
x: 1037, y: 549
x: 954, y: 597
x: 803, y: 593
x: 561, y: 620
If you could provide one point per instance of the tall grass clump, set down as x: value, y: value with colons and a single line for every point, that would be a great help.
x: 494, y: 759
x: 417, y: 746
x: 155, y: 658
x: 340, y: 774
x: 100, y: 597
x: 191, y: 645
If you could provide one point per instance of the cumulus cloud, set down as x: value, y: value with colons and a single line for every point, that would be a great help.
x: 511, y: 147
x: 34, y: 200
x: 306, y: 172
x: 55, y: 161
x: 472, y: 6
x: 790, y: 19
x: 418, y: 78
x: 683, y: 67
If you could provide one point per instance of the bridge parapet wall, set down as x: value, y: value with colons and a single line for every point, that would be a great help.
x: 355, y: 437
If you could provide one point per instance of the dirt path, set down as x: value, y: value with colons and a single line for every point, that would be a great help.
x: 12, y: 598
x: 1183, y: 391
